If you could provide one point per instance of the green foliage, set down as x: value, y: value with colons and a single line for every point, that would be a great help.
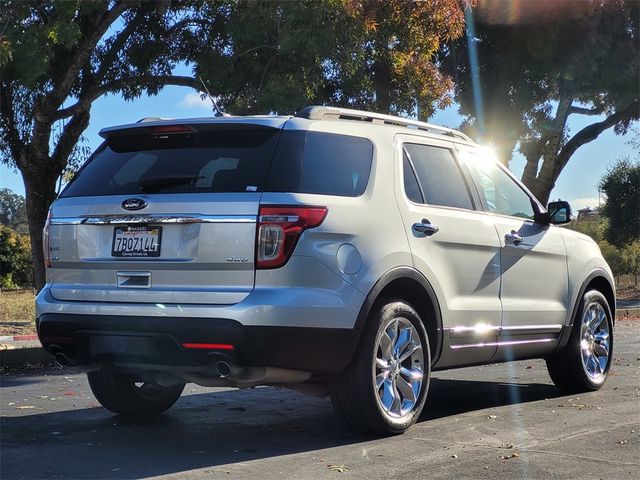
x: 621, y: 185
x: 622, y: 260
x: 13, y: 212
x: 15, y: 259
x: 631, y: 258
x: 280, y: 55
x: 539, y: 63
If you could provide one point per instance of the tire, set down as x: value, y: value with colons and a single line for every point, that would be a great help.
x: 583, y: 364
x: 364, y: 394
x: 118, y: 392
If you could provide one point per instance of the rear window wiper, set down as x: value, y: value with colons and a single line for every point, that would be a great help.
x: 153, y: 184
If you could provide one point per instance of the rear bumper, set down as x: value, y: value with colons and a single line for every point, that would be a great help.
x: 158, y: 341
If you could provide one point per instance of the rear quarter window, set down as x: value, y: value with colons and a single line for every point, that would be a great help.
x: 321, y: 163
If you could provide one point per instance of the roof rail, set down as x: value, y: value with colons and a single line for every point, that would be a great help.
x: 316, y: 112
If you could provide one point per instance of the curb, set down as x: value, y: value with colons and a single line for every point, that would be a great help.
x: 18, y: 338
x: 627, y: 312
x: 22, y: 351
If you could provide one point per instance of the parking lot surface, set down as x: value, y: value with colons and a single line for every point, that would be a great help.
x: 498, y: 421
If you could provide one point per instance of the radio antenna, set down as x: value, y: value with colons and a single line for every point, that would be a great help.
x: 217, y: 111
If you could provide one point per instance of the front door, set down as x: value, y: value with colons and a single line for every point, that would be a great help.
x: 534, y: 286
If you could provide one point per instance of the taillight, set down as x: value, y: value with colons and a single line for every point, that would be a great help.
x: 45, y: 241
x: 279, y: 228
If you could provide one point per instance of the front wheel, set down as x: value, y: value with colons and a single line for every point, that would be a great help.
x: 583, y: 365
x: 384, y: 389
x: 124, y: 394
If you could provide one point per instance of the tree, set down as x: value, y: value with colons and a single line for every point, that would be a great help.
x: 555, y: 60
x: 370, y: 54
x: 621, y: 186
x: 631, y: 258
x: 56, y: 58
x: 15, y: 259
x: 13, y: 212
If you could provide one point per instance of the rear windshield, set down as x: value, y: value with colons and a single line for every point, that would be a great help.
x: 231, y: 160
x: 211, y: 161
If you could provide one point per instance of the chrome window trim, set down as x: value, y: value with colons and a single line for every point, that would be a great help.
x: 151, y: 218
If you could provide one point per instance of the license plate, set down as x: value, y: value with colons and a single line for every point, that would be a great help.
x: 138, y: 241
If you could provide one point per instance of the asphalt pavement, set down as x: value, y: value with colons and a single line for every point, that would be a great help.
x: 498, y: 421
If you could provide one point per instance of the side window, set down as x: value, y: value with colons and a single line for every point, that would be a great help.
x: 322, y: 163
x: 439, y: 176
x: 501, y: 193
x: 335, y: 164
x: 411, y: 187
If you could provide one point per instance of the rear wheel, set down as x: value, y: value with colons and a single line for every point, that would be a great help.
x: 384, y: 389
x: 125, y: 394
x: 583, y: 365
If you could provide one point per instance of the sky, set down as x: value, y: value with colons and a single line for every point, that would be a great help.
x: 577, y: 183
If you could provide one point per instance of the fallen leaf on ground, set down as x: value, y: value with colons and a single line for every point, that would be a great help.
x: 337, y: 468
x: 507, y: 457
x: 492, y: 417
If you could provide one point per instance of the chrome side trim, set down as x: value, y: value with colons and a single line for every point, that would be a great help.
x: 555, y: 327
x: 481, y: 330
x: 503, y: 344
x: 152, y: 218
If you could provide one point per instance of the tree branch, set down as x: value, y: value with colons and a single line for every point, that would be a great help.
x: 83, y: 52
x: 110, y: 87
x: 118, y: 43
x: 68, y: 140
x: 591, y: 132
x: 585, y: 111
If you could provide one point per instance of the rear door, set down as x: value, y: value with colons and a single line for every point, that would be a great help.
x: 455, y: 246
x: 163, y: 215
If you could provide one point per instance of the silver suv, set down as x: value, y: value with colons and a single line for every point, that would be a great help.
x: 335, y: 251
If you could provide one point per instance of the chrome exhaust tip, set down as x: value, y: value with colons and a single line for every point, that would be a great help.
x: 223, y: 368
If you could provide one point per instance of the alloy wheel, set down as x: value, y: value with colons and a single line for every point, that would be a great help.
x: 595, y: 341
x: 398, y: 368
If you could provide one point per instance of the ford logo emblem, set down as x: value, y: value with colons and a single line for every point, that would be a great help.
x: 134, y: 204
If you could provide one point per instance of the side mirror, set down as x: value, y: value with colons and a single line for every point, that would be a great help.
x: 559, y: 212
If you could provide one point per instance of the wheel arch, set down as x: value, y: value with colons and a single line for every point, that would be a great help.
x: 408, y: 284
x: 596, y: 280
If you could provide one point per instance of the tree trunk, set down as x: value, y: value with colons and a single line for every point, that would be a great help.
x: 40, y: 191
x: 382, y: 83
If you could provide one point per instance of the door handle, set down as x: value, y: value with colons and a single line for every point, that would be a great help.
x: 513, y: 238
x: 425, y: 227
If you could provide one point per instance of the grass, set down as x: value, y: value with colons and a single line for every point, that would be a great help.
x: 17, y: 313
